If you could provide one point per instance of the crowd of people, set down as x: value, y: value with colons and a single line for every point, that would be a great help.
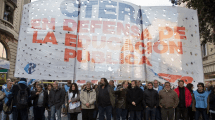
x: 126, y: 101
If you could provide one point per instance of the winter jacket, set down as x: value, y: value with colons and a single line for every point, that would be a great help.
x: 56, y: 97
x: 88, y: 97
x: 66, y: 87
x: 111, y: 94
x: 14, y: 92
x: 75, y: 99
x: 150, y: 98
x: 121, y: 98
x: 7, y: 93
x: 212, y: 101
x: 168, y: 99
x: 201, y: 100
x: 35, y: 98
x: 188, y: 97
x: 135, y: 95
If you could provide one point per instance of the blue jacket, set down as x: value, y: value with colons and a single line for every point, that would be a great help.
x: 159, y: 88
x: 7, y: 93
x: 66, y: 87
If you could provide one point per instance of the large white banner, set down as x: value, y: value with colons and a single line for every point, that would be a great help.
x: 90, y: 39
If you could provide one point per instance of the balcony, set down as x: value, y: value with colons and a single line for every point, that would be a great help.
x: 6, y: 23
x: 13, y: 2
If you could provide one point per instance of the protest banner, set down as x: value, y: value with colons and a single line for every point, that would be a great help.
x: 88, y: 40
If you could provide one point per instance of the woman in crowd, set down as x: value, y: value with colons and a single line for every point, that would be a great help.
x: 72, y: 102
x: 190, y: 112
x: 49, y: 87
x: 212, y: 103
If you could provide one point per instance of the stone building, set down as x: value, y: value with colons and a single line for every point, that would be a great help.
x: 10, y: 19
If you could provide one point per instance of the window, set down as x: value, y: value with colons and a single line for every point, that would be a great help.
x: 3, y: 52
x: 204, y: 49
x: 8, y: 13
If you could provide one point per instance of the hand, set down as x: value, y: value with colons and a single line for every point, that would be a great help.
x: 155, y: 107
x: 121, y: 89
x: 160, y: 106
x: 73, y: 102
x: 69, y: 101
x: 133, y: 103
x: 146, y: 106
x: 37, y: 93
x: 87, y: 104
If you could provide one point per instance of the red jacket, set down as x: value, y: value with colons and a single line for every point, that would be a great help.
x: 188, y: 97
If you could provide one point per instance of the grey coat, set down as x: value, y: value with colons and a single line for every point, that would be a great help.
x: 77, y: 99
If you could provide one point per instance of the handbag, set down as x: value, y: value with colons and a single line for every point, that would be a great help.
x: 8, y: 109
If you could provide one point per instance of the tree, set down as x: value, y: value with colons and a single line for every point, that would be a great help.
x: 206, y: 15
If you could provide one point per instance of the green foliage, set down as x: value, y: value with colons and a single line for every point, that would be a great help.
x: 206, y: 15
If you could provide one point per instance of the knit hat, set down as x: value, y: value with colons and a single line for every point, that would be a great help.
x: 23, y: 79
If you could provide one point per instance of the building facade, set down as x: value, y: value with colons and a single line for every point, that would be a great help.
x: 10, y: 20
x: 208, y: 57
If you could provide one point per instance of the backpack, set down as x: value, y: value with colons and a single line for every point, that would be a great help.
x: 22, y: 98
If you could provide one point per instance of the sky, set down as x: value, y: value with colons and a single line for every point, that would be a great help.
x: 145, y: 2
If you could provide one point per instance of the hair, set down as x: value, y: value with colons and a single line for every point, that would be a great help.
x: 74, y: 91
x: 50, y: 84
x: 40, y: 85
x: 150, y: 83
x: 189, y: 87
x: 202, y: 84
x: 105, y: 80
x: 8, y: 80
x: 180, y: 81
x: 167, y: 83
x: 111, y: 81
x: 34, y: 85
x: 95, y: 86
x: 124, y: 82
x: 134, y: 82
x: 156, y: 80
x: 90, y: 83
x: 57, y: 82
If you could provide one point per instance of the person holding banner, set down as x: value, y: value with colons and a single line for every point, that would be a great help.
x: 168, y: 102
x: 72, y: 102
x: 134, y: 97
x: 105, y: 99
x: 88, y: 98
x: 56, y: 100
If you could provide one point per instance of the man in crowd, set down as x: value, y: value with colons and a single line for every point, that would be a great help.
x: 140, y: 85
x: 158, y: 88
x: 6, y: 93
x: 111, y: 83
x: 150, y: 101
x: 40, y: 102
x: 168, y: 102
x: 20, y: 95
x: 105, y: 99
x: 88, y: 98
x: 185, y: 100
x: 56, y: 100
x: 134, y: 97
x: 121, y: 104
x: 200, y: 102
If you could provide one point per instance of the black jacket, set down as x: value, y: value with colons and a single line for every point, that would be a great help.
x: 135, y: 95
x: 150, y: 98
x: 35, y: 98
x: 212, y: 101
x: 56, y: 97
x: 121, y: 98
x: 14, y: 92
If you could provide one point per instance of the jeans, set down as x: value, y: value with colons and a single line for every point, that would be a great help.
x: 95, y: 114
x: 121, y: 113
x: 150, y: 113
x: 39, y: 113
x: 179, y: 111
x: 53, y: 111
x: 20, y: 114
x: 107, y: 110
x: 87, y: 114
x: 4, y: 116
x: 49, y: 114
x: 201, y: 111
x: 167, y: 113
x: 158, y: 113
x: 133, y: 113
